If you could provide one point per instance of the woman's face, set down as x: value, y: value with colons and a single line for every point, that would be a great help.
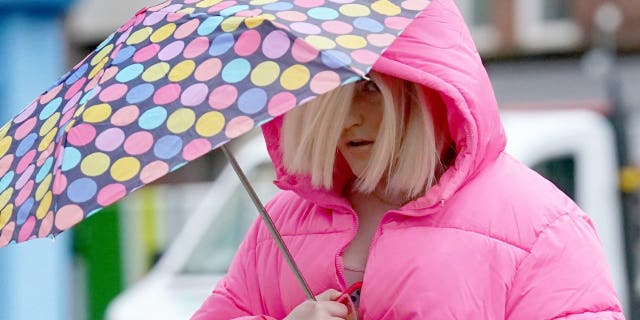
x: 361, y: 126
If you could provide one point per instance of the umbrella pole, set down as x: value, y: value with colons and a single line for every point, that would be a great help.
x: 269, y: 223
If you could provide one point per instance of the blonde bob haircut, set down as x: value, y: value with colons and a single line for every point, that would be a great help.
x: 405, y: 155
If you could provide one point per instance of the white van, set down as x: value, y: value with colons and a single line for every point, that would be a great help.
x: 575, y: 149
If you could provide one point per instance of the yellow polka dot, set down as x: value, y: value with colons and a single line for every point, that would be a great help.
x: 101, y: 54
x: 47, y: 140
x: 4, y: 129
x: 49, y: 124
x: 97, y: 113
x: 5, y: 215
x: 69, y: 125
x: 355, y: 10
x: 252, y: 22
x: 265, y: 73
x: 182, y: 70
x: 139, y: 36
x: 5, y: 144
x: 5, y: 196
x: 163, y: 32
x: 125, y: 169
x: 210, y: 124
x: 181, y: 120
x: 231, y: 24
x: 295, y: 77
x: 44, y: 186
x: 95, y: 164
x: 79, y: 111
x: 385, y: 7
x: 44, y: 206
x: 320, y: 42
x: 351, y: 41
x: 261, y: 2
x: 189, y: 10
x: 156, y: 72
x: 207, y: 3
x: 98, y: 67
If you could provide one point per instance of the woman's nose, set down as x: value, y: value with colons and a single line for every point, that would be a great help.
x: 353, y: 119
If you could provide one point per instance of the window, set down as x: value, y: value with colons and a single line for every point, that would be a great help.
x: 479, y: 15
x: 545, y: 25
x: 556, y: 10
x: 562, y: 172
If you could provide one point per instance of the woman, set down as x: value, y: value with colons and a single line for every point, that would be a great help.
x: 402, y: 184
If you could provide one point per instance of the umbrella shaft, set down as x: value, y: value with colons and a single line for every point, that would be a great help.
x: 269, y: 223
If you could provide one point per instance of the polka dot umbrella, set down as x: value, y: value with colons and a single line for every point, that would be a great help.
x: 176, y: 81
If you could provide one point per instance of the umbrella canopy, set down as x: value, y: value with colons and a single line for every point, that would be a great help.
x: 176, y: 81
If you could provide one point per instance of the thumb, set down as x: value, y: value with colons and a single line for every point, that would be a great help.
x: 329, y: 295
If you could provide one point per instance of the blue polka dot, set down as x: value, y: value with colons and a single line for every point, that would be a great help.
x: 221, y: 44
x: 368, y: 24
x: 77, y: 74
x: 236, y: 70
x: 209, y: 25
x: 335, y: 59
x: 89, y: 95
x: 24, y: 211
x: 167, y: 147
x: 152, y: 118
x: 233, y: 10
x: 252, y: 100
x: 6, y: 180
x: 82, y: 190
x: 44, y: 170
x: 70, y: 158
x: 323, y: 13
x: 130, y: 72
x: 351, y: 80
x: 124, y: 54
x: 278, y: 6
x: 105, y: 42
x: 140, y: 93
x: 50, y: 108
x: 26, y: 144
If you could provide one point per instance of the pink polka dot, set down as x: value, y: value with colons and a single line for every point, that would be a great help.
x: 397, y: 23
x: 26, y: 113
x: 303, y: 52
x: 194, y: 95
x: 196, y: 149
x: 25, y: 128
x: 75, y: 88
x: 186, y: 29
x: 5, y: 164
x: 153, y: 171
x: 276, y: 44
x: 115, y: 51
x: 45, y: 98
x: 138, y: 143
x: 26, y: 160
x: 337, y: 27
x: 196, y: 47
x: 223, y: 97
x: 59, y: 183
x: 113, y: 92
x: 110, y: 139
x: 324, y: 81
x: 208, y: 69
x: 364, y: 56
x: 248, y: 43
x: 293, y: 16
x: 175, y: 16
x: 281, y: 103
x: 125, y: 116
x: 81, y: 135
x: 27, y: 229
x: 238, y: 126
x: 68, y: 216
x: 380, y: 39
x: 46, y: 225
x: 24, y: 193
x: 221, y: 6
x: 72, y: 104
x: 309, y: 3
x: 167, y: 94
x: 146, y: 53
x: 108, y: 74
x: 249, y: 13
x: 44, y: 155
x: 7, y: 233
x: 111, y: 193
x: 171, y: 50
x: 94, y: 81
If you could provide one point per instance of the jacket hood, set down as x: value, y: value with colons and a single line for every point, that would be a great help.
x: 437, y: 52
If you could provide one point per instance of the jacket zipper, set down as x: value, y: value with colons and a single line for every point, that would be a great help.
x: 339, y: 260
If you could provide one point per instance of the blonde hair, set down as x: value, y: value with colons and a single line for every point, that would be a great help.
x: 405, y: 155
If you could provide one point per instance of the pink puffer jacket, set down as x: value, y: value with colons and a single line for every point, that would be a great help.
x: 493, y: 240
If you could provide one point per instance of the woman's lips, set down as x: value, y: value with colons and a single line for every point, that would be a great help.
x: 359, y: 143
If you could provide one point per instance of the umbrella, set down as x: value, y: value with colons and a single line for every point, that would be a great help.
x: 176, y: 81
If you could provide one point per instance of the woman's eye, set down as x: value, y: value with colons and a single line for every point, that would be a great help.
x: 370, y: 86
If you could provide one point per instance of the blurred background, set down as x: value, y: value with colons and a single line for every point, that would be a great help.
x: 566, y: 74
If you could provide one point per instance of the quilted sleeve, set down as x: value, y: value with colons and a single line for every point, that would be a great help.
x: 565, y: 276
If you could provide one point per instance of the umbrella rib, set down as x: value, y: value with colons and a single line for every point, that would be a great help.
x: 268, y: 222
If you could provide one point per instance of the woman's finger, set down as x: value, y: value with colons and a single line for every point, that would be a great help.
x: 329, y: 295
x: 334, y: 309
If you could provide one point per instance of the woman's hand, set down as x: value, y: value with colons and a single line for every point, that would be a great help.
x: 324, y: 308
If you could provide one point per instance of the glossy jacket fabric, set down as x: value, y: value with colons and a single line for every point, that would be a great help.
x: 493, y: 240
